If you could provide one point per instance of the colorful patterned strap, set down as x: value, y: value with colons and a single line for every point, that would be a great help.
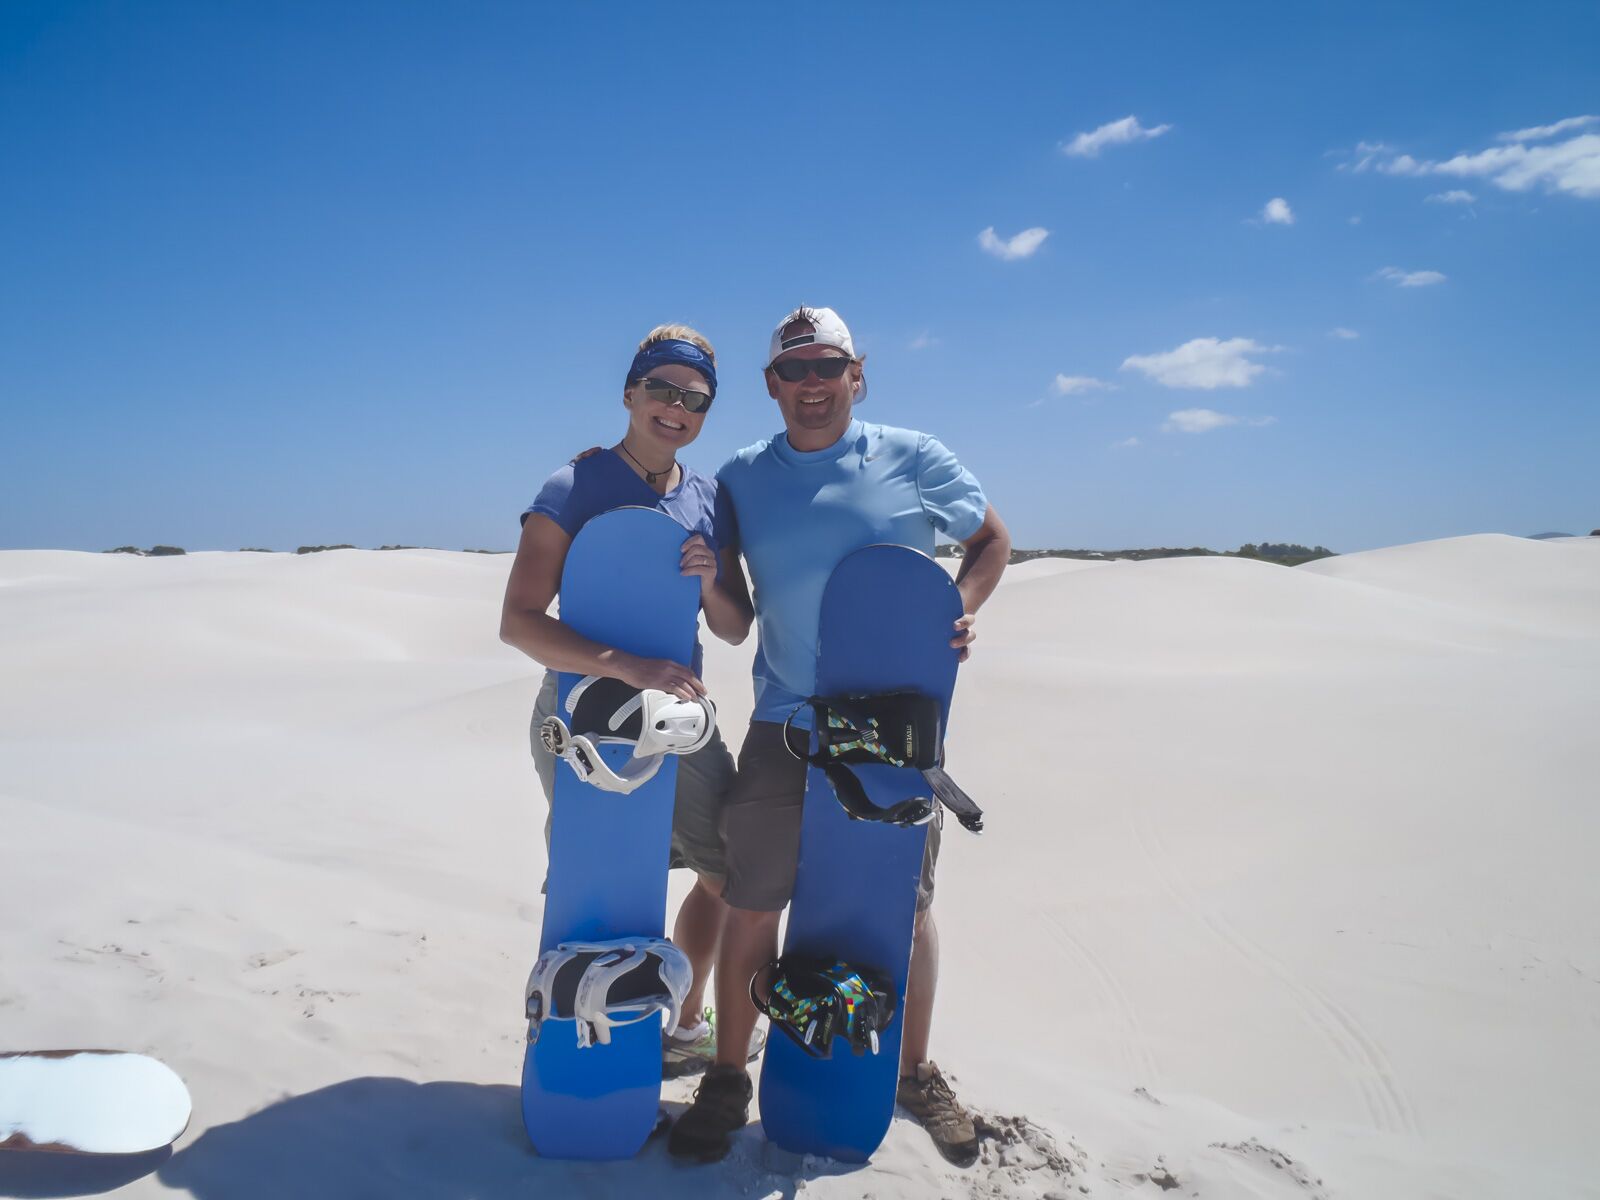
x: 867, y: 739
x: 811, y: 1001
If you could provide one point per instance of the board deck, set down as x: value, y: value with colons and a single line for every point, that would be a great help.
x: 622, y: 586
x: 888, y: 614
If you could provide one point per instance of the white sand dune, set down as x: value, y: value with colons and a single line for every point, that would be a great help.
x: 1287, y: 891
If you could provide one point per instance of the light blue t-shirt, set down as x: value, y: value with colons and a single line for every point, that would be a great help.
x: 797, y: 514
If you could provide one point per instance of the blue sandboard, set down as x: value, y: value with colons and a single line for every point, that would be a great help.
x: 888, y: 614
x: 622, y: 586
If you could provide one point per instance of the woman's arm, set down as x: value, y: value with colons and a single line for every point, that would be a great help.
x: 724, y: 595
x: 525, y: 623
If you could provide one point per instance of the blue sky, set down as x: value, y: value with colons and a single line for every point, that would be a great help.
x: 301, y: 273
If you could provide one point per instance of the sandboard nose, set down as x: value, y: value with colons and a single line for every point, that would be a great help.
x: 90, y: 1102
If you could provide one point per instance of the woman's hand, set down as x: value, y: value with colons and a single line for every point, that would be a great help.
x: 698, y: 559
x: 965, y: 636
x: 663, y: 675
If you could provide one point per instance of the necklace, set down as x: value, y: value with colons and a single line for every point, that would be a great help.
x: 650, y: 476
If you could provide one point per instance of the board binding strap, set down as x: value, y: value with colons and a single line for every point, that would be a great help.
x: 650, y: 724
x: 814, y: 1000
x: 895, y: 729
x: 602, y: 985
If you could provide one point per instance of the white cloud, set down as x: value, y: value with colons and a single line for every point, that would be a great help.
x: 1454, y: 196
x: 1010, y: 249
x: 1066, y: 385
x: 1203, y: 363
x: 1277, y: 212
x: 1197, y: 420
x: 1539, y: 133
x: 1410, y: 278
x: 1114, y: 133
x: 1366, y: 153
x: 1125, y: 443
x: 1571, y: 166
x: 923, y: 341
x: 1402, y: 164
x: 1343, y: 334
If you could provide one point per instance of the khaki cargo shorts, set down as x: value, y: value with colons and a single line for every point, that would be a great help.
x: 761, y: 823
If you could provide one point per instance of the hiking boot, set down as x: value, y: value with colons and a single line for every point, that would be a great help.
x: 720, y: 1109
x: 691, y: 1051
x: 931, y: 1103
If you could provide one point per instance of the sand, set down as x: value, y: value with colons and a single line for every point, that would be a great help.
x: 1287, y: 888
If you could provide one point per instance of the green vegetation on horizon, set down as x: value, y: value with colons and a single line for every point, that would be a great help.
x: 1287, y: 554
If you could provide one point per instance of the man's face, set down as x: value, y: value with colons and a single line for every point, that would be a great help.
x: 816, y: 411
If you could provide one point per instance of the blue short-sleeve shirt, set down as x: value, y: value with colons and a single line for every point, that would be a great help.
x: 587, y: 487
x: 799, y: 513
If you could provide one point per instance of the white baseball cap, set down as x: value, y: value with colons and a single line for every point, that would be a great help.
x: 830, y: 331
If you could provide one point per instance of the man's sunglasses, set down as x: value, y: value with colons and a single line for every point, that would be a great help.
x: 793, y: 370
x: 667, y: 393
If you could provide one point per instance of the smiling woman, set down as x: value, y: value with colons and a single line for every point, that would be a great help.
x: 667, y: 394
x: 674, y: 369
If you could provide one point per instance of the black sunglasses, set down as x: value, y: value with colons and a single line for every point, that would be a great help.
x: 793, y: 370
x: 668, y: 393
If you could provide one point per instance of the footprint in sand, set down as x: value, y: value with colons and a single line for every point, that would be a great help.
x: 1018, y: 1158
x: 271, y: 958
x: 1276, y: 1163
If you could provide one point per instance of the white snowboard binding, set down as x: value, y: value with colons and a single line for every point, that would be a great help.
x: 602, y: 711
x: 603, y: 985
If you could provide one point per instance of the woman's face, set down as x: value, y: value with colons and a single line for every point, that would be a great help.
x: 659, y: 424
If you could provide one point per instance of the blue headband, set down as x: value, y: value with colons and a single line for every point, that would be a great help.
x: 660, y: 354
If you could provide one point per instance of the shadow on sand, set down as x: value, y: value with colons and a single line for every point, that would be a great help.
x: 381, y: 1138
x: 26, y: 1174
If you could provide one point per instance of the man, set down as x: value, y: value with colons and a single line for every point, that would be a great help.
x: 828, y: 485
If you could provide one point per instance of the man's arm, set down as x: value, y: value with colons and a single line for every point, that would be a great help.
x: 984, y: 558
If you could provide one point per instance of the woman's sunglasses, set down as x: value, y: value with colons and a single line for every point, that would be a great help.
x: 667, y: 393
x: 793, y: 370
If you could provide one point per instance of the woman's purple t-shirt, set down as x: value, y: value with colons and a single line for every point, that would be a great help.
x: 589, y: 486
x: 597, y: 483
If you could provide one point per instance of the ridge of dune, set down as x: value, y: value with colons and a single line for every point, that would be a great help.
x: 1552, y: 583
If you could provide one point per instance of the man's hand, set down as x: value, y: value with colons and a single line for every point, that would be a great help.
x: 965, y: 636
x: 664, y: 675
x: 698, y: 560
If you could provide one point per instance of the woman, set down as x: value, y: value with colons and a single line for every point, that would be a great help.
x: 668, y: 391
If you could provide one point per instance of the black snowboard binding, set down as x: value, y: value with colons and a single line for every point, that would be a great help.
x: 812, y: 1000
x: 896, y: 729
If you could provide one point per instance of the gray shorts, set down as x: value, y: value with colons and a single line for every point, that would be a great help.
x: 761, y: 823
x: 704, y: 779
